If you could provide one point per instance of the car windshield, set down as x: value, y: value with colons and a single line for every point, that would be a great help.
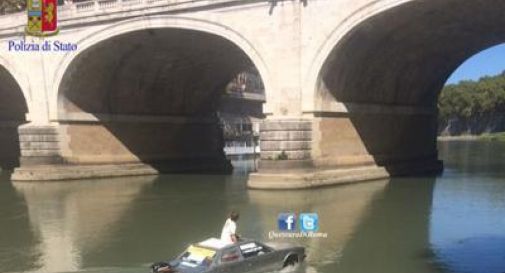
x: 197, y: 256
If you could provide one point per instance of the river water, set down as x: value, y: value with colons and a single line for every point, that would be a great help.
x: 453, y: 223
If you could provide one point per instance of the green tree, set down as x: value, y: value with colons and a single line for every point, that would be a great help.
x: 469, y: 99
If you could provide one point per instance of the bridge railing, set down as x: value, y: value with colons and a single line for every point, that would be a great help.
x: 104, y: 7
x: 99, y: 6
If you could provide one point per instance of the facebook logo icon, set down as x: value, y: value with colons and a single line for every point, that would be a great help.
x: 287, y: 221
x: 309, y: 222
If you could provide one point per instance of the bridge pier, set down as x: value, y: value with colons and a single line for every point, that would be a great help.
x: 120, y: 146
x: 322, y: 149
x: 39, y: 145
x: 341, y: 148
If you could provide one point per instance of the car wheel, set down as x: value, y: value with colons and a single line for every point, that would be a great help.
x: 291, y: 260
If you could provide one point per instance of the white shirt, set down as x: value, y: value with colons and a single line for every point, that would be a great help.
x: 229, y: 229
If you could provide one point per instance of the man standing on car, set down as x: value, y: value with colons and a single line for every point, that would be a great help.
x: 229, y: 233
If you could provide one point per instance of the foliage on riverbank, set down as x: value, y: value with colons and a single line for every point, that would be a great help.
x: 493, y: 137
x: 469, y: 99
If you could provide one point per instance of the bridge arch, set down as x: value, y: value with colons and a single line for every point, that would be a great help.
x: 22, y: 80
x: 328, y: 45
x: 13, y: 111
x: 147, y: 90
x: 156, y: 23
x: 380, y: 72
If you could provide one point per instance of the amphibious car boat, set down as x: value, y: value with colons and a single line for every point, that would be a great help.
x: 215, y: 256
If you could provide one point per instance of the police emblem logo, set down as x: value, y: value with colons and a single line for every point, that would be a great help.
x: 42, y: 17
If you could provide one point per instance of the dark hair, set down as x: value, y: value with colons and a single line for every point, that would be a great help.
x: 234, y: 216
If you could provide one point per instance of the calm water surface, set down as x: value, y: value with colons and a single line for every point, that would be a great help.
x: 454, y: 223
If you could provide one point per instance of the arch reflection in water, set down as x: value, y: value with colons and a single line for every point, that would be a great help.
x: 393, y: 236
x: 74, y: 218
x: 372, y: 227
x: 341, y: 211
x: 122, y: 224
x: 17, y: 241
x: 397, y: 226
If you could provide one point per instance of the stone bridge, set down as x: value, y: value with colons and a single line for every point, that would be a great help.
x: 351, y: 86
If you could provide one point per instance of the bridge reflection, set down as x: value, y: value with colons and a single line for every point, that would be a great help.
x: 371, y: 227
x: 128, y: 223
x: 71, y: 219
x: 17, y: 241
x: 394, y: 235
x: 340, y: 209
